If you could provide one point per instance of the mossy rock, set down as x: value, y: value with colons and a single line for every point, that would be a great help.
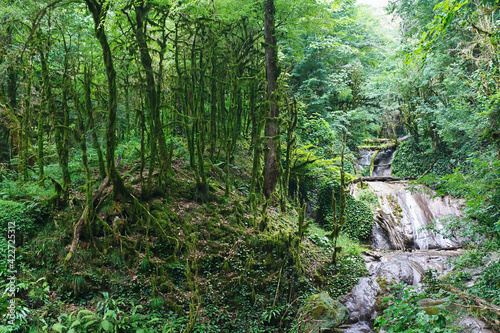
x: 325, y: 313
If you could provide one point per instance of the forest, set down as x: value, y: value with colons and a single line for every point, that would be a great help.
x: 249, y: 166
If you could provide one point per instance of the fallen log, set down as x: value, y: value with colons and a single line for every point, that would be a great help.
x: 449, y: 248
x: 480, y: 305
x: 384, y: 144
x: 376, y: 140
x: 381, y: 179
x: 483, y: 304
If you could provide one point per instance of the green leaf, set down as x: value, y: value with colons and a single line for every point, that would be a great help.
x: 58, y: 327
x: 107, y: 326
x: 110, y: 313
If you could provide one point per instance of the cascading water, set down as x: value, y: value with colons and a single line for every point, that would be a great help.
x: 382, y: 161
x: 402, y: 226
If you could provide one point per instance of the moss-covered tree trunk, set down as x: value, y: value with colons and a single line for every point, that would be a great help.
x: 99, y: 10
x: 81, y: 138
x: 152, y: 101
x: 25, y: 123
x: 61, y: 129
x: 272, y: 159
x: 87, y: 82
x: 46, y: 105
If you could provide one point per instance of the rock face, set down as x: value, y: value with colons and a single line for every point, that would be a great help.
x: 322, y: 313
x: 403, y: 217
x: 385, y: 269
x: 402, y: 223
x: 382, y: 163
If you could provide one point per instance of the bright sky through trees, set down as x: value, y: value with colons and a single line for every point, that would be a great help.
x: 374, y: 3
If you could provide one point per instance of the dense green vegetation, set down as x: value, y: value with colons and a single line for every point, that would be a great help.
x: 169, y: 165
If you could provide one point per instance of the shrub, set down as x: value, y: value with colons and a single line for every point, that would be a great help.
x: 405, y: 315
x: 488, y: 284
x: 345, y: 275
x: 358, y: 216
x: 413, y: 158
x: 21, y: 217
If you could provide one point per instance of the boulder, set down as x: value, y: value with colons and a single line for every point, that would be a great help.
x: 322, y: 313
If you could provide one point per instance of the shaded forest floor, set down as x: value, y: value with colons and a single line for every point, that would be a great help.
x: 172, y: 263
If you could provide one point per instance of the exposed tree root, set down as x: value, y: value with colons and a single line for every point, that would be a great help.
x: 479, y: 308
x: 78, y: 226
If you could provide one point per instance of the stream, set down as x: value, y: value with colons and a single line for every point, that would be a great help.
x: 403, y: 247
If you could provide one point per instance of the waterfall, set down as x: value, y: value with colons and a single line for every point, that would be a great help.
x: 405, y: 246
x: 382, y: 161
x: 403, y: 218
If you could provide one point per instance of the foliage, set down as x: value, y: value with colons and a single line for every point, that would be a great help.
x: 20, y: 218
x: 17, y: 213
x: 415, y: 158
x: 487, y: 285
x: 405, y: 315
x: 359, y: 217
x: 368, y: 197
x: 13, y: 189
x: 342, y: 277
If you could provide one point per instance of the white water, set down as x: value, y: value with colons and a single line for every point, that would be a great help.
x: 402, y: 223
x: 403, y: 218
x: 382, y: 162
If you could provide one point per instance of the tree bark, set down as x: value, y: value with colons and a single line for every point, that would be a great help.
x: 87, y: 81
x: 46, y: 106
x: 61, y: 125
x: 272, y: 159
x: 99, y: 10
x: 152, y: 103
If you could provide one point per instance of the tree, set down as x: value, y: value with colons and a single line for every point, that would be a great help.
x: 99, y: 9
x: 272, y: 157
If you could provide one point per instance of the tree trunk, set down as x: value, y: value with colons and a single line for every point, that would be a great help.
x: 25, y: 123
x: 45, y: 109
x: 99, y: 10
x: 152, y: 103
x: 272, y: 159
x: 87, y: 82
x: 61, y: 126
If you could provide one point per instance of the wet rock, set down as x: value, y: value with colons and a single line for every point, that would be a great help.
x: 361, y: 301
x: 383, y: 162
x: 324, y: 313
x: 472, y: 325
x: 361, y: 327
x: 364, y: 301
x: 404, y: 215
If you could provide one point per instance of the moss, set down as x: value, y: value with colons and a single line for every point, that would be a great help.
x: 321, y: 307
x: 385, y: 290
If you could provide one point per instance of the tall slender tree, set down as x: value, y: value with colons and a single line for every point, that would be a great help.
x: 272, y: 159
x: 99, y: 10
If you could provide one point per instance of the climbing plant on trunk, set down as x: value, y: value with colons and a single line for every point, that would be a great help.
x: 272, y: 158
x: 99, y: 9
